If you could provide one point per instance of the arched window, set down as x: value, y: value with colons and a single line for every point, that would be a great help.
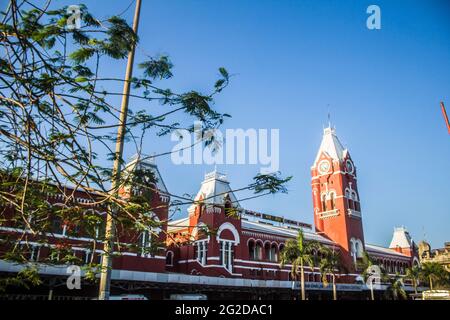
x: 324, y: 202
x: 226, y: 254
x: 359, y: 249
x: 169, y: 258
x: 350, y: 204
x: 201, y: 251
x: 267, y: 251
x: 270, y: 251
x: 273, y: 252
x: 355, y: 201
x: 228, y: 204
x: 333, y: 200
x: 147, y: 240
x: 227, y: 238
x: 258, y: 251
x: 280, y: 248
x: 251, y: 250
x: 353, y: 249
x: 348, y: 198
x: 356, y: 249
x: 145, y: 243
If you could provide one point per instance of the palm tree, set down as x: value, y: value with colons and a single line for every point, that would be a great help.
x: 413, y: 274
x: 395, y: 288
x: 298, y: 252
x: 434, y: 273
x: 330, y: 264
x: 367, y: 265
x: 364, y: 264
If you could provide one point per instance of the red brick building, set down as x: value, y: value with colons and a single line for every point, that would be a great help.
x: 240, y: 257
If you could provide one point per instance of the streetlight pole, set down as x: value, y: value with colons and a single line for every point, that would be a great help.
x: 108, y: 245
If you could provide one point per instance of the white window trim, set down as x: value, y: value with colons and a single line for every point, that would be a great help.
x: 226, y: 250
x: 202, y: 251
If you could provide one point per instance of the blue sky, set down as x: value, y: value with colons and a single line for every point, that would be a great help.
x: 290, y: 60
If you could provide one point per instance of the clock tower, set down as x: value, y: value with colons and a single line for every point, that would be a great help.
x: 337, y: 209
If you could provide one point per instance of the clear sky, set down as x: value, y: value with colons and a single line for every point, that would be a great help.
x: 290, y: 60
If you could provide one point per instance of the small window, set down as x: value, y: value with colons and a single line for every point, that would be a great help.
x: 228, y: 205
x: 267, y: 251
x: 348, y: 197
x: 145, y: 243
x: 333, y: 201
x: 350, y: 204
x: 169, y: 258
x: 324, y: 202
x: 100, y: 230
x: 258, y: 251
x: 86, y: 256
x: 30, y: 252
x: 57, y: 225
x: 273, y: 253
x: 226, y: 254
x: 252, y: 250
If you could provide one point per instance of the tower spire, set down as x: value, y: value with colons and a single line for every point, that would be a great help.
x: 329, y: 116
x: 336, y: 202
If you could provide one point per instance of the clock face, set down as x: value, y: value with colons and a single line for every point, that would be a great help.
x: 349, y: 166
x: 324, y: 166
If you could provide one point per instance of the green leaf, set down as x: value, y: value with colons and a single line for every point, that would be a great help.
x: 81, y: 79
x: 160, y: 68
x: 81, y: 55
x: 224, y: 72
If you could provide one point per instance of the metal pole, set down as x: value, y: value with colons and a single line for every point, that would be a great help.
x: 108, y: 245
x: 371, y: 290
